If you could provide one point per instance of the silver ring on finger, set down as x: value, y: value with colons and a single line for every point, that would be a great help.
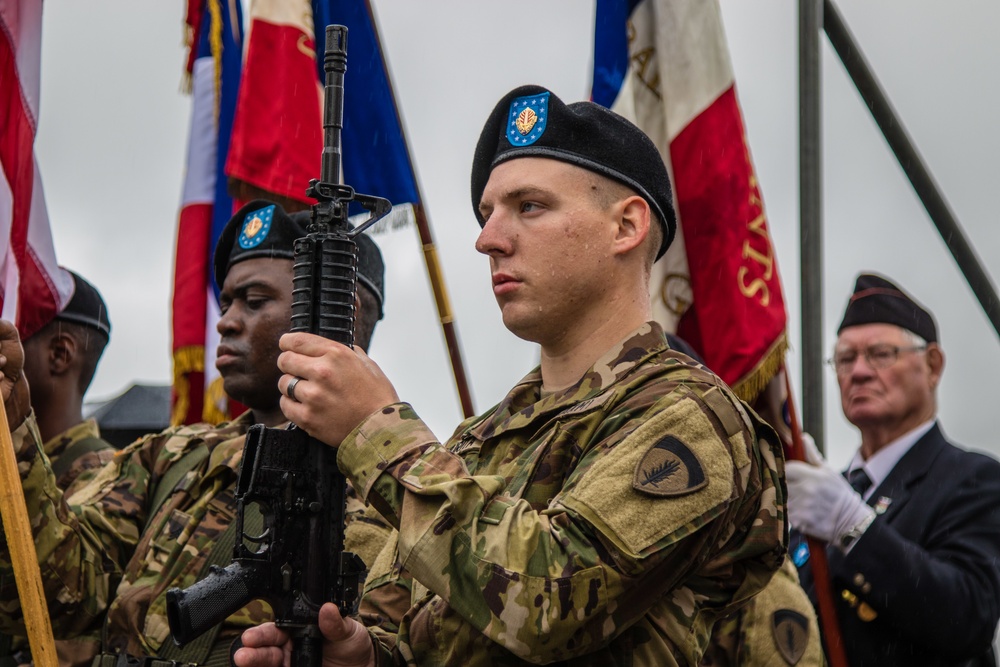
x: 290, y: 389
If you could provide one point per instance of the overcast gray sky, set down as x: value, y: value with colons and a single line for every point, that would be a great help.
x: 113, y: 131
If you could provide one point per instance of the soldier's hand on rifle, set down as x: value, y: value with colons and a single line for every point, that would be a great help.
x: 347, y: 643
x: 329, y: 388
x: 13, y: 386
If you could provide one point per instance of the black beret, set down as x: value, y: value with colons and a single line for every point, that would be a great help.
x: 262, y: 228
x: 877, y: 301
x: 531, y: 121
x: 86, y: 307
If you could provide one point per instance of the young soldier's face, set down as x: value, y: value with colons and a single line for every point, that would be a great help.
x: 548, y: 241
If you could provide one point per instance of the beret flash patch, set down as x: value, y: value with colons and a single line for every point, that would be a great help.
x: 669, y: 468
x: 527, y: 119
x: 791, y: 634
x: 256, y: 226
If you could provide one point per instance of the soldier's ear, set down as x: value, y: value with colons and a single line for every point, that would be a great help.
x: 63, y: 351
x: 633, y: 215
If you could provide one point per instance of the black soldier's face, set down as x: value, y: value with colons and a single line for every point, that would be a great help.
x: 256, y: 307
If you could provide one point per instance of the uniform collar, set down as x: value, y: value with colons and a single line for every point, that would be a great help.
x: 86, y: 429
x: 525, y: 403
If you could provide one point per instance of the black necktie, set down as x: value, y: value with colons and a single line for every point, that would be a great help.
x: 859, y: 480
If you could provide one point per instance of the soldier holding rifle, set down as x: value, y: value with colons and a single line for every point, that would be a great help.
x: 616, y: 502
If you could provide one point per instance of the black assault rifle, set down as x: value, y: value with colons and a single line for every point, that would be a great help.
x: 296, y: 560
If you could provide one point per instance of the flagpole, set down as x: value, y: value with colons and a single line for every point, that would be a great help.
x: 21, y: 547
x: 811, y: 218
x: 443, y: 306
x: 434, y: 272
x: 822, y: 583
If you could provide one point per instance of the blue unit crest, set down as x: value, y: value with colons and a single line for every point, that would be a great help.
x: 256, y: 226
x: 527, y: 118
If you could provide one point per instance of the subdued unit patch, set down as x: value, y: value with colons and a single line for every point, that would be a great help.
x: 669, y: 468
x: 791, y: 634
x: 634, y: 521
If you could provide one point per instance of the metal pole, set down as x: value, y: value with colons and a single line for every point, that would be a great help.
x: 811, y: 219
x: 909, y: 159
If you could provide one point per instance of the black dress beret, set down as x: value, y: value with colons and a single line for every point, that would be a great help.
x: 262, y: 228
x: 878, y: 301
x: 87, y: 307
x: 531, y: 121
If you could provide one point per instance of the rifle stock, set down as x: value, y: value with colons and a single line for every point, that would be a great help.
x: 296, y: 561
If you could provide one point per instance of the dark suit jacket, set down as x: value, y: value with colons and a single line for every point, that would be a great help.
x: 929, y: 566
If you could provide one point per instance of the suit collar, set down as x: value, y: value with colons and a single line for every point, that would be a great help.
x: 894, y: 491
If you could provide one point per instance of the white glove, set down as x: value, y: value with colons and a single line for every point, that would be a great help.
x: 812, y: 451
x: 823, y: 505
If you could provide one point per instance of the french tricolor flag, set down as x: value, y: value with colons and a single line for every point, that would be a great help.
x: 214, y: 67
x: 665, y: 65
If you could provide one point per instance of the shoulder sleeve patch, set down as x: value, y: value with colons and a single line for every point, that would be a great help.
x: 665, y: 480
x: 669, y: 468
x: 791, y: 634
x: 779, y: 624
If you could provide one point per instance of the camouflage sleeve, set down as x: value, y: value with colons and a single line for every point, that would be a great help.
x: 82, y: 545
x: 552, y: 584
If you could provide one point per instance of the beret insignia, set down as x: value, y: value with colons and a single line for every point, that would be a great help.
x: 528, y: 117
x: 668, y: 469
x: 791, y: 634
x: 256, y: 226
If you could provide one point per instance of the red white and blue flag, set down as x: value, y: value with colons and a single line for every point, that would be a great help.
x: 665, y: 65
x: 256, y: 131
x: 277, y: 135
x: 214, y: 65
x: 32, y: 286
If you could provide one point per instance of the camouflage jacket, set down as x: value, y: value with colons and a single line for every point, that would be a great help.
x: 58, y: 445
x: 609, y: 523
x: 777, y: 627
x: 101, y: 552
x: 81, y: 649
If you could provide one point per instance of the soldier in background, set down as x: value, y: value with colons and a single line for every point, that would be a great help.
x: 617, y: 501
x: 60, y: 360
x: 154, y: 517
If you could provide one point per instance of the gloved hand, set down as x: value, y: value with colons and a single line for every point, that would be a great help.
x: 821, y: 503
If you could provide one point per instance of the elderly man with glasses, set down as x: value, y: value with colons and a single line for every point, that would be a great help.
x: 913, y: 524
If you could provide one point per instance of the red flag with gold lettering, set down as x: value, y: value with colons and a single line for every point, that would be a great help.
x: 665, y: 65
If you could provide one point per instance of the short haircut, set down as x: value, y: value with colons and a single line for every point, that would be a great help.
x: 365, y: 321
x: 90, y: 342
x: 606, y: 191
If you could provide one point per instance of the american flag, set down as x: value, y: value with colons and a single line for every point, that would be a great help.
x: 32, y: 286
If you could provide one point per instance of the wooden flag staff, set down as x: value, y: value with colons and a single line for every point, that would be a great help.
x: 21, y: 546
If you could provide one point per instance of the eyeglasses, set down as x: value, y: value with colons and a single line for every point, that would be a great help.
x: 878, y: 357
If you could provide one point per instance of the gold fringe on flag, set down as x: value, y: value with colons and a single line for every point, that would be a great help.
x: 215, y: 43
x: 189, y: 359
x: 213, y: 408
x: 752, y: 384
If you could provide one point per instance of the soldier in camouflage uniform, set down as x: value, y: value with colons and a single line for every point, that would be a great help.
x: 123, y: 535
x: 777, y: 627
x: 617, y: 502
x: 60, y: 360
